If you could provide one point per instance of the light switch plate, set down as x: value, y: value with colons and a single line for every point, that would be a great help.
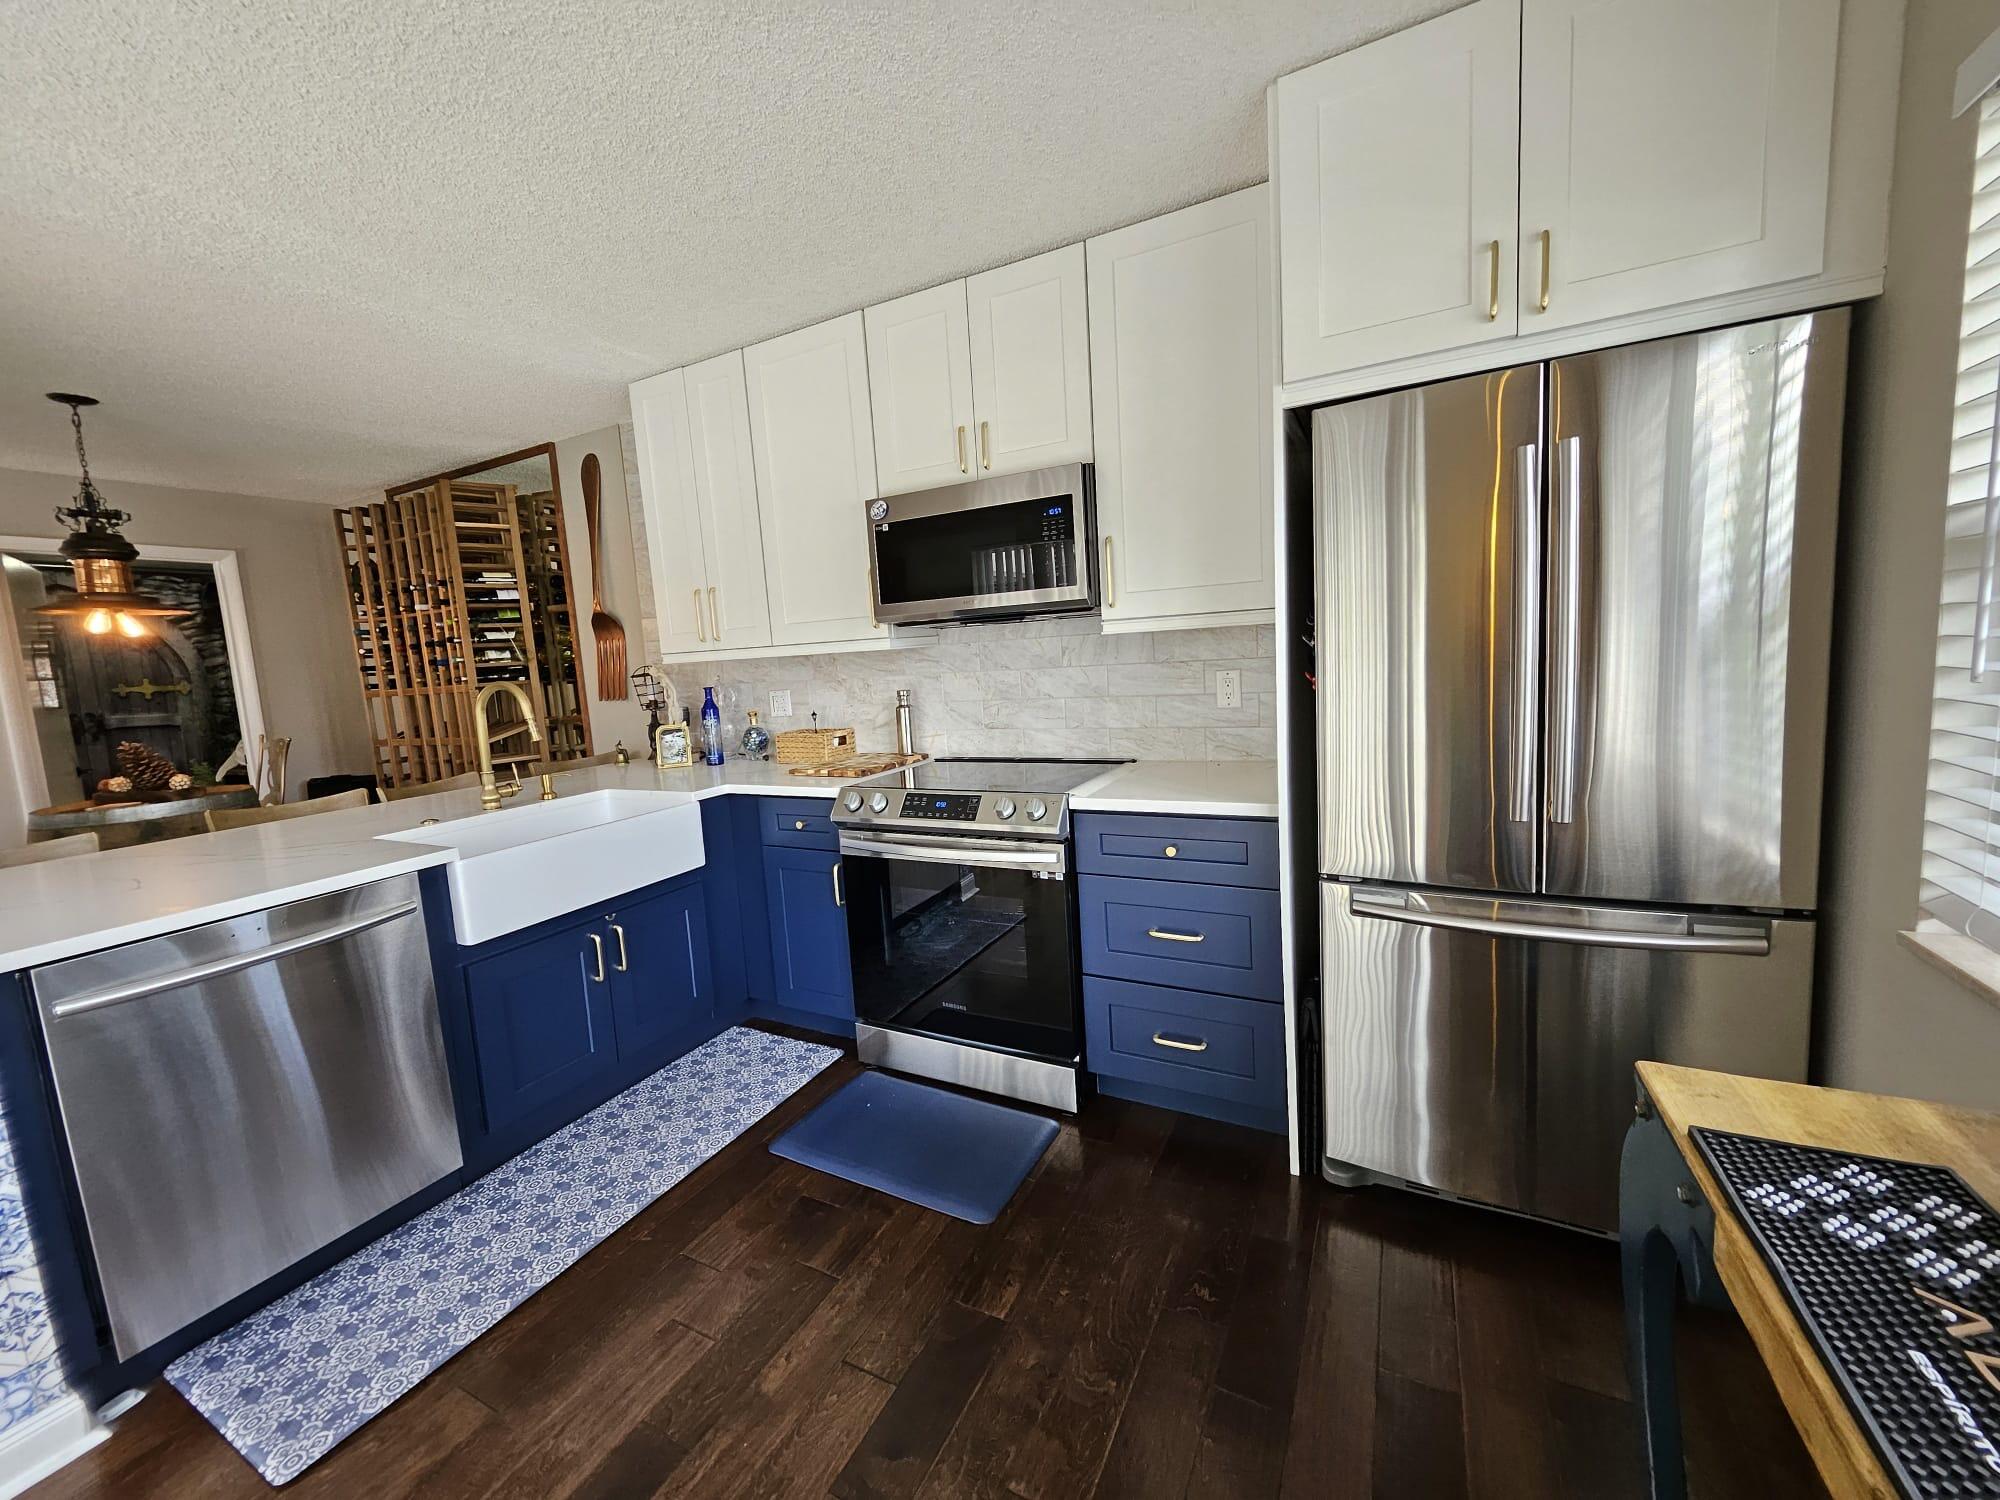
x: 781, y: 703
x: 1229, y: 688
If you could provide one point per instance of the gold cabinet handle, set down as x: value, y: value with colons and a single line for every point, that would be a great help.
x: 1168, y: 935
x: 598, y: 943
x: 1160, y: 1038
x: 714, y: 615
x: 1493, y: 284
x: 1172, y: 851
x: 700, y: 630
x: 839, y: 897
x: 624, y: 959
x: 985, y: 447
x: 799, y: 823
x: 1545, y: 269
x: 1110, y: 587
x: 961, y: 447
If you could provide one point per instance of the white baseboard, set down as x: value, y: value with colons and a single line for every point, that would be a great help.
x: 45, y: 1442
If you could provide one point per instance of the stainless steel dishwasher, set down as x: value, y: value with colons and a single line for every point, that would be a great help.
x: 240, y: 1094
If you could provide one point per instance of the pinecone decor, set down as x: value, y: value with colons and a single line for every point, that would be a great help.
x: 180, y: 781
x: 115, y: 784
x: 150, y: 771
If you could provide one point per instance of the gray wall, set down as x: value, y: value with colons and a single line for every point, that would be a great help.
x: 292, y: 590
x: 1889, y: 1021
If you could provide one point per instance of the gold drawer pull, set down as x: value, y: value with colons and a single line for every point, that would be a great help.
x: 985, y: 447
x: 624, y: 959
x: 1493, y: 284
x: 1173, y: 851
x: 798, y: 822
x: 961, y: 448
x: 1167, y: 935
x: 1547, y: 251
x: 1162, y: 1039
x: 598, y: 943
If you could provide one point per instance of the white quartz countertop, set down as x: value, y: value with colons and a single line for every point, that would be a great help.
x: 70, y: 906
x: 1200, y: 788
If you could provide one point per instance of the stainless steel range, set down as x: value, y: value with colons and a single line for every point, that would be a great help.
x: 961, y: 923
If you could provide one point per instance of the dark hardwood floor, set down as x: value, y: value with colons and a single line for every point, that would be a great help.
x: 1162, y: 1311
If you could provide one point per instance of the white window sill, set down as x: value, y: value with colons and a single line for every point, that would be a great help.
x: 1971, y: 963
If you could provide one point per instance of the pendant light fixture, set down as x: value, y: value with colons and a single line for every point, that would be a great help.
x: 98, y: 554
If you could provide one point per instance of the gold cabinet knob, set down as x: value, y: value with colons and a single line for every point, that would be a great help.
x: 1173, y: 851
x: 798, y: 822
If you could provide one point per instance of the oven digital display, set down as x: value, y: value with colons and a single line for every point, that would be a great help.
x: 958, y: 809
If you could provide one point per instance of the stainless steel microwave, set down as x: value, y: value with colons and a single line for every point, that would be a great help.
x: 991, y: 549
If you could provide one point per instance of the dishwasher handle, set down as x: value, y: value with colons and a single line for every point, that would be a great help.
x: 139, y: 989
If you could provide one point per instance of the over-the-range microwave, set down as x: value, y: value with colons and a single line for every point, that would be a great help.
x: 990, y: 549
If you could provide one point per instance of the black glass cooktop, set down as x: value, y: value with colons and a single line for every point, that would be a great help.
x: 1046, y: 778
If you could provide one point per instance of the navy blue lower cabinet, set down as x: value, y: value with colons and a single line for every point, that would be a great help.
x: 1222, y: 938
x: 541, y: 1020
x: 1213, y: 1055
x: 808, y: 932
x: 661, y: 991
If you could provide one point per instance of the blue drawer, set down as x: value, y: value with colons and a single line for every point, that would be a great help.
x: 1206, y: 1045
x: 1217, y: 851
x: 1196, y: 937
x: 803, y: 822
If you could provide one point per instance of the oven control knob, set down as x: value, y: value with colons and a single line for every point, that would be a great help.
x: 852, y: 801
x: 1037, y: 809
x: 1004, y: 808
x: 878, y: 802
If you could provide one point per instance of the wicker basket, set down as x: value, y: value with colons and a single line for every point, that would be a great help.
x: 811, y: 747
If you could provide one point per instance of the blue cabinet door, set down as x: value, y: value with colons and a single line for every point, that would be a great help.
x: 662, y: 995
x: 808, y: 932
x: 541, y: 1021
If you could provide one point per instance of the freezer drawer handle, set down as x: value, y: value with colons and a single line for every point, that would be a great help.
x: 1160, y: 1038
x: 1168, y: 935
x: 197, y: 973
x: 1754, y: 944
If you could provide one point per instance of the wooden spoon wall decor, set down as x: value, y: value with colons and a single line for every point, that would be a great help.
x: 604, y: 628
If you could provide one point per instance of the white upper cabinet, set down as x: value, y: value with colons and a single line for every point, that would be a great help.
x: 1671, y: 152
x: 1182, y: 369
x: 985, y: 376
x: 725, y: 482
x: 1030, y: 340
x: 1396, y: 193
x: 920, y: 385
x: 814, y: 448
x: 671, y: 510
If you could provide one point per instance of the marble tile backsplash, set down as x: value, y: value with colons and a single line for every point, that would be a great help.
x: 1041, y: 687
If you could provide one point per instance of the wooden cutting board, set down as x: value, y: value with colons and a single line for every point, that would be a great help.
x: 860, y: 765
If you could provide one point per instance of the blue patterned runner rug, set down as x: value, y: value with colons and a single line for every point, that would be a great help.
x: 295, y: 1378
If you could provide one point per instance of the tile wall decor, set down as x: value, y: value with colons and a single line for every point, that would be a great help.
x: 1039, y: 687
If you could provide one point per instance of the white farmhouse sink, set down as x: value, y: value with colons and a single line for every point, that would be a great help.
x: 523, y: 864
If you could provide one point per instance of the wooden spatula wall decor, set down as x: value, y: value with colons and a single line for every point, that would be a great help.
x: 609, y: 634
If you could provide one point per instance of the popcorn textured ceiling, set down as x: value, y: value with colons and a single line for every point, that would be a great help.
x: 309, y: 248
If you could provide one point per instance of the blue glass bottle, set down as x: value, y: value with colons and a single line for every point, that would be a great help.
x: 711, y: 728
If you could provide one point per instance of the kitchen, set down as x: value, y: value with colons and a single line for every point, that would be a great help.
x: 1041, y: 859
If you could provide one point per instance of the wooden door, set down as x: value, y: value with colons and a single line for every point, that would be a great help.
x: 1181, y: 373
x: 814, y: 446
x: 920, y: 389
x: 671, y: 511
x: 1030, y: 341
x: 1396, y: 193
x: 725, y: 483
x: 1671, y: 152
x: 117, y: 688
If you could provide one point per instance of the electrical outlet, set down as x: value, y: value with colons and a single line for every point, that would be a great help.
x: 781, y: 703
x: 1228, y: 688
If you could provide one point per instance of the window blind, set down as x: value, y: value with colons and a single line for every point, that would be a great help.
x: 1961, y: 863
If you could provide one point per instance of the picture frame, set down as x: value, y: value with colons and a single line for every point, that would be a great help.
x: 673, y: 746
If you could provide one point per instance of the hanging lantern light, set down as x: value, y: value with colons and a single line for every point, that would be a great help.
x: 99, y: 556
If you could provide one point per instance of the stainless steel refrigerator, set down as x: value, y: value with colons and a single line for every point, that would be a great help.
x: 1573, y: 625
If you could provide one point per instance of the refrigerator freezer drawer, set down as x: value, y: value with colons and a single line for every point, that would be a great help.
x: 1484, y: 1047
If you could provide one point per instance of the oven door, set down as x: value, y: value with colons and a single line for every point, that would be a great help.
x: 1020, y: 544
x: 966, y: 940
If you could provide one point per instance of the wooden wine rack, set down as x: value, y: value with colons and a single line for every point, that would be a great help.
x: 455, y: 586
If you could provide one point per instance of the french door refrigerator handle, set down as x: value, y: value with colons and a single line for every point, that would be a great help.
x: 1566, y: 559
x: 1753, y: 942
x: 1527, y: 614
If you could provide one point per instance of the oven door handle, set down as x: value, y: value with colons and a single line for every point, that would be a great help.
x: 977, y: 853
